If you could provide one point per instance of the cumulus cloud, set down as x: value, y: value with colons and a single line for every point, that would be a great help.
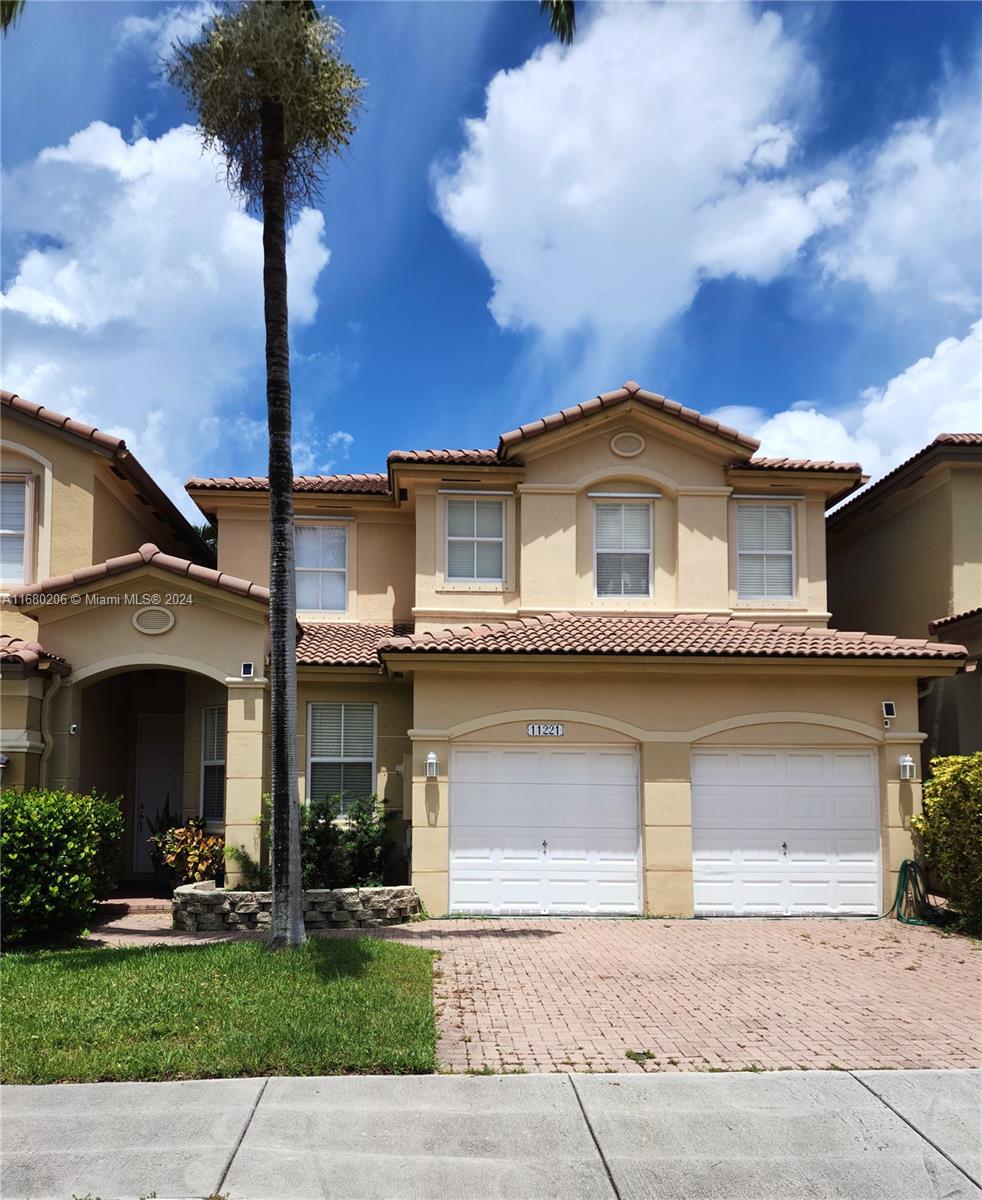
x: 940, y: 393
x: 605, y: 182
x: 915, y: 237
x: 136, y: 300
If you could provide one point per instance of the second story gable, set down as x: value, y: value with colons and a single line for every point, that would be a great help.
x: 917, y: 532
x: 73, y: 495
x: 628, y: 503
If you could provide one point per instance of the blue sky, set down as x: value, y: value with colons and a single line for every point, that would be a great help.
x: 766, y: 212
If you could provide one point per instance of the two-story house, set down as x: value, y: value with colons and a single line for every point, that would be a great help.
x: 916, y: 537
x: 587, y: 671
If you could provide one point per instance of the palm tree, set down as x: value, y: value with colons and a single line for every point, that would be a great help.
x: 273, y: 95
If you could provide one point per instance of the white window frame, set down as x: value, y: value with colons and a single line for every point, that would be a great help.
x: 765, y: 503
x: 212, y: 762
x: 624, y: 502
x: 345, y: 527
x: 455, y: 580
x: 27, y: 566
x: 321, y: 758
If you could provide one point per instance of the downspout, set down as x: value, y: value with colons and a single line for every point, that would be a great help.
x: 54, y: 687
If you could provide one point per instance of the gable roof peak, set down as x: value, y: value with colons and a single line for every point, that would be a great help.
x: 631, y: 390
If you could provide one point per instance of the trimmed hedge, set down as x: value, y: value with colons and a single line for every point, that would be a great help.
x: 58, y: 853
x: 951, y: 832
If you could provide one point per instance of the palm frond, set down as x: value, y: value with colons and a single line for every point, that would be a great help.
x: 562, y: 18
x: 10, y: 10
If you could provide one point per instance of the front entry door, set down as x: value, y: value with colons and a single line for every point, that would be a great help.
x: 159, y: 768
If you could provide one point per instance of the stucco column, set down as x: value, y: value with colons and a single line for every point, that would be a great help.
x: 244, y: 767
x: 431, y: 828
x: 901, y: 801
x: 666, y: 801
x: 61, y: 719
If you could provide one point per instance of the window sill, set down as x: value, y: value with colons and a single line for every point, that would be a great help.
x: 491, y: 589
x: 790, y: 603
x: 323, y: 618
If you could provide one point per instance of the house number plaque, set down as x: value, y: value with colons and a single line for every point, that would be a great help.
x: 546, y: 729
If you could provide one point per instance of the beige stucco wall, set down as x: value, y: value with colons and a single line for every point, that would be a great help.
x: 549, y: 531
x: 891, y: 570
x: 966, y: 539
x: 380, y: 553
x: 82, y: 513
x: 666, y: 712
x: 20, y: 729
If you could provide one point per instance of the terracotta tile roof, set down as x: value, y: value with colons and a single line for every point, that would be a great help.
x: 340, y: 644
x: 457, y: 458
x: 651, y: 636
x: 606, y: 400
x: 797, y: 464
x: 941, y: 622
x: 145, y: 487
x: 15, y: 651
x: 360, y: 485
x: 944, y: 446
x: 147, y: 555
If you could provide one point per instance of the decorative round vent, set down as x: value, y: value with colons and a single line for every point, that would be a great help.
x: 153, y: 620
x: 627, y: 445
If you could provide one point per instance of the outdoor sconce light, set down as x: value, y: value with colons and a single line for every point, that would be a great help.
x: 431, y: 765
x: 908, y: 768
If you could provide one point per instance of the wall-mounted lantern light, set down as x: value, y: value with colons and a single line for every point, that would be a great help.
x: 432, y: 763
x: 908, y: 768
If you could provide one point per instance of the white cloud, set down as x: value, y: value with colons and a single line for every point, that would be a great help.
x: 155, y: 36
x: 916, y: 236
x: 606, y: 181
x: 139, y: 307
x: 940, y: 393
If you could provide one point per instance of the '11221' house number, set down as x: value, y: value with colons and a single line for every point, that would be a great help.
x: 547, y: 729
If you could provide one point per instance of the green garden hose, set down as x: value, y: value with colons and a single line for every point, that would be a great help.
x: 911, y: 904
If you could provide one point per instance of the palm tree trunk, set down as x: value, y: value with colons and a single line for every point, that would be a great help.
x: 287, y: 916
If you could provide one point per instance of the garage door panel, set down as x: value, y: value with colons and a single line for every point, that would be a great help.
x: 789, y: 831
x: 544, y: 830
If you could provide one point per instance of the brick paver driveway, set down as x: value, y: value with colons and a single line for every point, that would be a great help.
x: 580, y: 995
x: 729, y: 994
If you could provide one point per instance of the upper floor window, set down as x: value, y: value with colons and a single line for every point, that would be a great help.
x: 214, y: 721
x: 15, y: 531
x: 322, y: 567
x: 341, y: 751
x: 476, y: 540
x: 765, y: 551
x: 622, y: 549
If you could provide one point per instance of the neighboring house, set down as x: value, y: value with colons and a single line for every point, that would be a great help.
x: 588, y: 671
x: 915, y: 539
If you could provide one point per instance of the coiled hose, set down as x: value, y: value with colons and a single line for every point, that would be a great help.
x: 911, y: 904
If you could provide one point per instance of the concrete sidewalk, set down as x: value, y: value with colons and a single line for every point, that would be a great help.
x: 793, y: 1134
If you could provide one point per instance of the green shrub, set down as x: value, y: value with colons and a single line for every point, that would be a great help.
x: 335, y: 851
x: 191, y: 854
x: 951, y: 832
x: 59, y: 852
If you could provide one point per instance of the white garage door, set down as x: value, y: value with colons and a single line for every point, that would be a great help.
x: 536, y: 830
x: 785, y: 832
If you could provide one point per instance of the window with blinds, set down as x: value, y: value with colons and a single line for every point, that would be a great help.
x: 341, y: 751
x: 765, y: 552
x: 476, y: 540
x: 622, y: 549
x: 13, y: 531
x: 214, y: 722
x: 322, y: 567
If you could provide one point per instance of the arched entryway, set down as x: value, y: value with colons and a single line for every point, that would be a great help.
x: 157, y: 738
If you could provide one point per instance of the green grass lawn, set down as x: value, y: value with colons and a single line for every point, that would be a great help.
x: 331, y: 1007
